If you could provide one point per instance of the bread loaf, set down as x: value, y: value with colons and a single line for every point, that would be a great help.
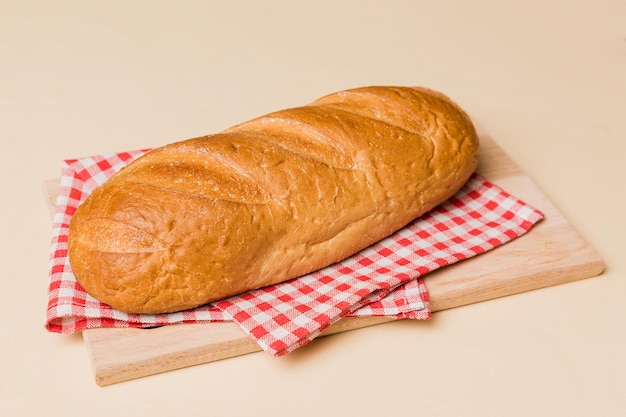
x: 270, y: 199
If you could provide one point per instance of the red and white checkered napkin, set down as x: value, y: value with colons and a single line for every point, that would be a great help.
x: 382, y: 280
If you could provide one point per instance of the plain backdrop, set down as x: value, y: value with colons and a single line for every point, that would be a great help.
x: 546, y: 79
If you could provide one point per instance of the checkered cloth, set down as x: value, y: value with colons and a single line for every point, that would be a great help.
x: 382, y: 280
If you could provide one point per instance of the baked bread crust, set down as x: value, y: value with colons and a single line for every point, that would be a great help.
x: 270, y: 199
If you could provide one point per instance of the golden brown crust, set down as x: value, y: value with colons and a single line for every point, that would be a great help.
x: 270, y: 199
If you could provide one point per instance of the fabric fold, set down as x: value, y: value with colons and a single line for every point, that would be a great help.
x: 385, y: 279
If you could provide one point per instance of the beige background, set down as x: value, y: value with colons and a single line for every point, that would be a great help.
x: 547, y: 80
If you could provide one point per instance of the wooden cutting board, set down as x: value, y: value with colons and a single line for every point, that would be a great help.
x: 551, y: 253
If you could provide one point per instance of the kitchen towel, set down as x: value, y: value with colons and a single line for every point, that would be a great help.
x: 382, y: 280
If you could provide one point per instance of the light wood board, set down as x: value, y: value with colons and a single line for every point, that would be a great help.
x: 551, y: 253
